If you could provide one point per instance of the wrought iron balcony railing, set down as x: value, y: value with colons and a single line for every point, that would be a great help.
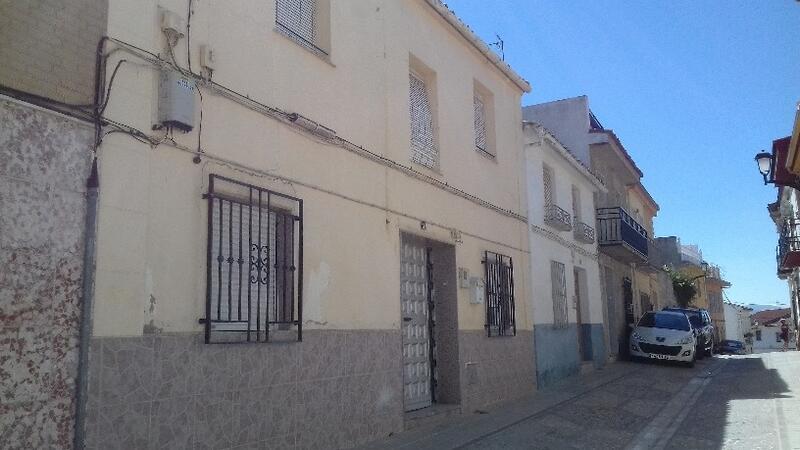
x: 789, y: 245
x: 617, y: 228
x: 557, y: 218
x: 583, y: 232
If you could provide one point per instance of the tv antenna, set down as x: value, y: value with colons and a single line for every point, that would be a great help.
x: 500, y: 46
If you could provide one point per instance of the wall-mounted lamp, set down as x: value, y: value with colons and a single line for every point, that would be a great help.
x: 764, y: 161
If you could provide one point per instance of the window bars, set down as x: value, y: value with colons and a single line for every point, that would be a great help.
x: 499, y: 295
x: 558, y: 276
x: 254, y: 262
x: 298, y: 19
x: 423, y: 144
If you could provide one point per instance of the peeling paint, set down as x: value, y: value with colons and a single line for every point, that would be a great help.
x: 318, y: 282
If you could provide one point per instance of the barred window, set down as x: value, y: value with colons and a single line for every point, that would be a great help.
x: 559, y: 278
x: 254, y: 262
x: 480, y: 124
x: 499, y: 295
x: 423, y: 144
x: 299, y: 20
x: 547, y: 179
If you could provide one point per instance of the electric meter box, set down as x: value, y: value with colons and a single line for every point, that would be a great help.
x: 176, y: 100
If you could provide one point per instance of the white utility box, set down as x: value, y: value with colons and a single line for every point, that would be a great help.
x: 176, y: 100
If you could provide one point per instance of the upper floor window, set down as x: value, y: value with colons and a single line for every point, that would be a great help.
x: 480, y: 124
x: 423, y: 141
x: 483, y: 120
x: 547, y: 179
x: 305, y: 21
x: 576, y: 203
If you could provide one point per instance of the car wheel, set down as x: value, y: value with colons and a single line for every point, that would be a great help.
x: 710, y: 351
x: 690, y: 364
x: 699, y: 351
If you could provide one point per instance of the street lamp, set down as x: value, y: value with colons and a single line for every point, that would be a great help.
x: 764, y: 161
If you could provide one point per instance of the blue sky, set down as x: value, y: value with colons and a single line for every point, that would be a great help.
x: 692, y: 88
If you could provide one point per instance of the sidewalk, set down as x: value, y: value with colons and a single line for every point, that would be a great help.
x: 467, y: 428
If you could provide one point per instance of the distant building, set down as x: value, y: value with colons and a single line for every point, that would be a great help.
x: 737, y: 321
x: 767, y: 329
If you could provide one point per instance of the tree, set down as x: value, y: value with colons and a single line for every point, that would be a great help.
x: 683, y: 287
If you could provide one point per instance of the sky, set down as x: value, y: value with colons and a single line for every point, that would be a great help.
x: 693, y: 89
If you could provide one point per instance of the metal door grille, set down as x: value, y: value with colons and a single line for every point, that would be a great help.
x: 559, y: 279
x: 499, y: 295
x: 254, y: 262
x: 423, y: 145
x: 480, y: 124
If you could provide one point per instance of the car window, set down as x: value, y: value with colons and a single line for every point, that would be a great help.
x: 667, y: 321
x: 695, y: 321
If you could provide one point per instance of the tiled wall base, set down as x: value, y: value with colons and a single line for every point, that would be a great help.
x: 44, y: 162
x: 556, y: 352
x: 495, y: 369
x: 336, y: 389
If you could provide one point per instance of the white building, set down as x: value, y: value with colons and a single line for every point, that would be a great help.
x: 565, y: 275
x: 767, y: 330
x: 737, y: 321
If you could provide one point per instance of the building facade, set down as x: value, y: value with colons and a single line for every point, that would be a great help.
x: 738, y: 326
x: 630, y: 283
x: 565, y: 276
x: 784, y: 167
x: 46, y: 150
x: 297, y: 245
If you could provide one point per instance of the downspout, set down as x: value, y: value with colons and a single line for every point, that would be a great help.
x: 90, y: 242
x: 81, y: 385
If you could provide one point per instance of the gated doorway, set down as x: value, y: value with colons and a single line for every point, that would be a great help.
x: 429, y: 322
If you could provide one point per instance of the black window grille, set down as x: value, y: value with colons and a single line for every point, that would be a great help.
x: 254, y: 262
x: 499, y: 295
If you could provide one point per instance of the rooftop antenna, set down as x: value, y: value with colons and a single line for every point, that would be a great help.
x: 499, y: 45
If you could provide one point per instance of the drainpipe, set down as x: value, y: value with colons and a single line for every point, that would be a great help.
x: 81, y: 385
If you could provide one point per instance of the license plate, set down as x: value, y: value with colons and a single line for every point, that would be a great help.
x: 655, y: 356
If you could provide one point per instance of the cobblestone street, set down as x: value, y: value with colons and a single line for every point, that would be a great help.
x: 724, y: 402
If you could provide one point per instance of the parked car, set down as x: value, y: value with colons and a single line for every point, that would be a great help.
x: 703, y: 328
x: 664, y: 335
x: 731, y: 347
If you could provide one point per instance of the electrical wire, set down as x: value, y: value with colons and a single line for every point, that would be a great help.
x: 107, y: 95
x: 200, y: 125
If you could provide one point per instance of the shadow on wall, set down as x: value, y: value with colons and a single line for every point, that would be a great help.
x: 736, y: 396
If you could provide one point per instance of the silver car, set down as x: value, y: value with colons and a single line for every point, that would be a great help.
x: 664, y: 335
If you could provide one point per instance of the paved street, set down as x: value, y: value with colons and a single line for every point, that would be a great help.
x: 724, y: 402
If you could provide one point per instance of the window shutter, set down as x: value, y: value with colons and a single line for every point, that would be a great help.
x: 547, y: 178
x: 576, y: 204
x: 559, y: 280
x: 423, y: 147
x: 480, y: 124
x: 297, y: 16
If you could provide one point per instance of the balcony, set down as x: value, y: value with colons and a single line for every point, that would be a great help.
x: 557, y: 218
x: 620, y: 236
x: 789, y: 246
x: 583, y: 232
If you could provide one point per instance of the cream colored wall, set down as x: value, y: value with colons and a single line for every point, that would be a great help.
x: 559, y: 246
x: 152, y: 219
